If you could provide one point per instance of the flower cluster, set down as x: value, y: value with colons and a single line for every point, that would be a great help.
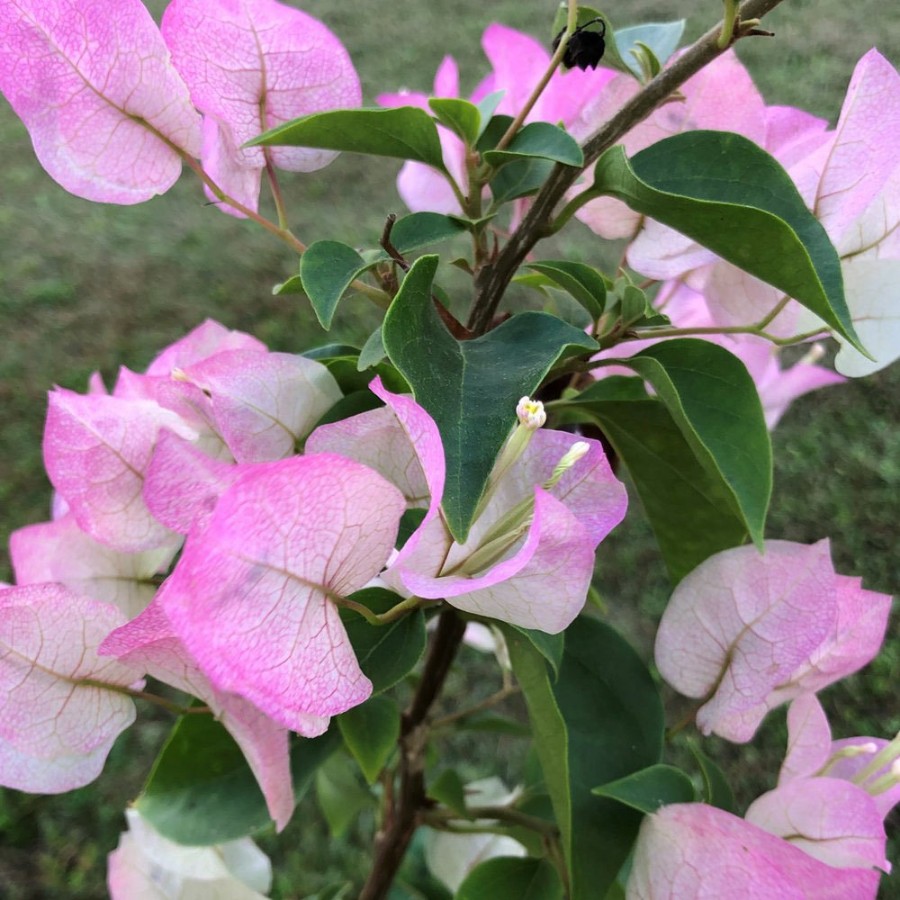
x: 130, y: 108
x: 198, y: 455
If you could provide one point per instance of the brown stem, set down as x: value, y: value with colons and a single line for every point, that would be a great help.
x: 409, y: 801
x: 494, y: 278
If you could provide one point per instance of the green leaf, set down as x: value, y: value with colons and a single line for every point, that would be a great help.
x: 405, y: 132
x: 487, y: 106
x: 583, y: 282
x: 201, y: 790
x: 511, y: 878
x: 327, y: 269
x: 661, y: 38
x: 372, y: 352
x: 491, y: 133
x: 602, y: 719
x: 716, y: 789
x: 713, y: 400
x: 490, y: 723
x: 541, y: 140
x: 689, y: 508
x: 460, y: 116
x: 341, y: 797
x: 470, y: 388
x: 370, y: 732
x: 422, y: 229
x: 519, y: 179
x: 343, y: 363
x: 550, y: 646
x: 649, y: 789
x: 728, y: 194
x: 293, y: 285
x: 386, y: 653
x: 448, y: 789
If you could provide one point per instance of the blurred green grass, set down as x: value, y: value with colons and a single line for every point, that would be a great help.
x: 86, y: 287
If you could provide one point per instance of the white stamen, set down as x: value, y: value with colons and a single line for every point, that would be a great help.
x: 530, y: 413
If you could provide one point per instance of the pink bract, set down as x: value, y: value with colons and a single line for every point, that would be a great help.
x: 96, y: 451
x: 57, y: 720
x: 749, y: 631
x: 60, y: 551
x: 518, y: 61
x: 93, y: 83
x: 251, y: 597
x: 691, y: 850
x: 252, y: 65
x: 541, y: 581
x: 149, y: 645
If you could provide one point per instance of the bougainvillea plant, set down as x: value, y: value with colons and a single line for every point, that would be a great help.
x: 297, y: 544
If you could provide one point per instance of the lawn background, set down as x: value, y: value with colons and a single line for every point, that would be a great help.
x: 85, y: 287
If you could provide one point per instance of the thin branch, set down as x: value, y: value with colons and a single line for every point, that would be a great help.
x: 494, y: 278
x: 409, y: 800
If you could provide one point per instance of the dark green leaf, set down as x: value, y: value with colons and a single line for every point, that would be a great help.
x: 345, y: 369
x: 716, y: 789
x: 521, y: 178
x: 491, y: 133
x: 511, y: 878
x: 351, y: 405
x: 372, y: 353
x: 583, y: 282
x: 661, y: 37
x: 601, y: 720
x: 470, y: 388
x: 713, y: 400
x: 370, y: 732
x: 460, y: 116
x: 292, y: 286
x: 550, y: 646
x: 325, y: 352
x: 492, y: 724
x: 422, y: 229
x: 541, y: 140
x: 728, y: 194
x: 669, y: 479
x: 448, y: 789
x: 487, y: 106
x: 201, y: 790
x: 341, y: 797
x: 402, y: 133
x: 649, y: 789
x: 327, y: 269
x: 386, y: 653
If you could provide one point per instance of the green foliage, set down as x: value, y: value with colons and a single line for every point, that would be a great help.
x: 386, y: 653
x: 696, y: 183
x: 649, y: 789
x: 582, y: 281
x: 402, y: 133
x: 667, y: 474
x: 713, y: 401
x: 510, y: 878
x: 470, y: 388
x: 201, y: 790
x: 539, y: 140
x: 460, y: 116
x: 370, y: 732
x: 599, y: 721
x: 327, y: 269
